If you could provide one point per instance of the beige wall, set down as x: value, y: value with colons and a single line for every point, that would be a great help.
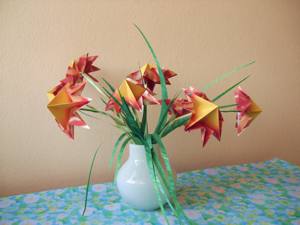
x: 197, y: 39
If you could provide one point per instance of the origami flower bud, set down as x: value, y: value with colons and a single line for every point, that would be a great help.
x: 248, y: 110
x: 206, y: 117
x: 64, y: 107
x: 131, y: 92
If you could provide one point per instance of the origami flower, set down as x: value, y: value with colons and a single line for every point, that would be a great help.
x: 75, y: 89
x: 148, y: 95
x: 190, y: 91
x: 205, y: 116
x: 248, y: 110
x: 181, y: 107
x: 151, y: 76
x: 82, y: 65
x: 136, y: 76
x: 131, y: 92
x: 64, y: 105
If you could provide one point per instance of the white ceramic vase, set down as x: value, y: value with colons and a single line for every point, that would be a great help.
x: 134, y: 181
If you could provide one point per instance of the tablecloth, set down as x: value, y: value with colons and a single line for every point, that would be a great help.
x: 258, y: 193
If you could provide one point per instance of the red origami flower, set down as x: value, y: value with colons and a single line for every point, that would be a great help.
x: 149, y: 75
x: 74, y: 77
x: 82, y: 65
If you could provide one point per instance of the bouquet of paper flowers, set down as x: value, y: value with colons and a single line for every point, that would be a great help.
x: 127, y: 106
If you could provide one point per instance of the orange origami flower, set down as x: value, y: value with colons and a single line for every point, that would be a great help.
x: 205, y: 116
x: 131, y: 92
x: 248, y: 110
x: 64, y: 106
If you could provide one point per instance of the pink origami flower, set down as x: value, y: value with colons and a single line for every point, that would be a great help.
x: 248, y: 110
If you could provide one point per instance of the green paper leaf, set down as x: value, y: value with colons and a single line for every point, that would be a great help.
x: 88, y: 115
x: 148, y: 149
x: 115, y: 118
x: 160, y: 123
x: 182, y: 120
x: 89, y: 180
x: 225, y: 75
x: 229, y: 89
x: 109, y: 85
x: 165, y: 186
x: 120, y: 155
x: 172, y: 189
x: 164, y: 91
x: 122, y: 136
x: 131, y: 122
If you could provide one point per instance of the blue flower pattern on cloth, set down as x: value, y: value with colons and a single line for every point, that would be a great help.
x: 257, y: 193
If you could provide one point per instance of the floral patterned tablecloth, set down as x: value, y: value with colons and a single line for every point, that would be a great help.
x: 258, y: 193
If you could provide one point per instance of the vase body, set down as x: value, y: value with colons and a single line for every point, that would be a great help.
x: 134, y: 181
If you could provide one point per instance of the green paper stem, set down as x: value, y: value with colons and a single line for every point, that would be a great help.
x: 170, y: 178
x: 162, y: 175
x: 162, y: 119
x: 178, y: 122
x: 108, y: 84
x: 144, y: 119
x: 148, y: 148
x: 225, y: 111
x: 88, y: 115
x: 227, y: 106
x: 93, y: 84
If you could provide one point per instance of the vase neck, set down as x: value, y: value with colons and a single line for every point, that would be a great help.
x: 137, y: 152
